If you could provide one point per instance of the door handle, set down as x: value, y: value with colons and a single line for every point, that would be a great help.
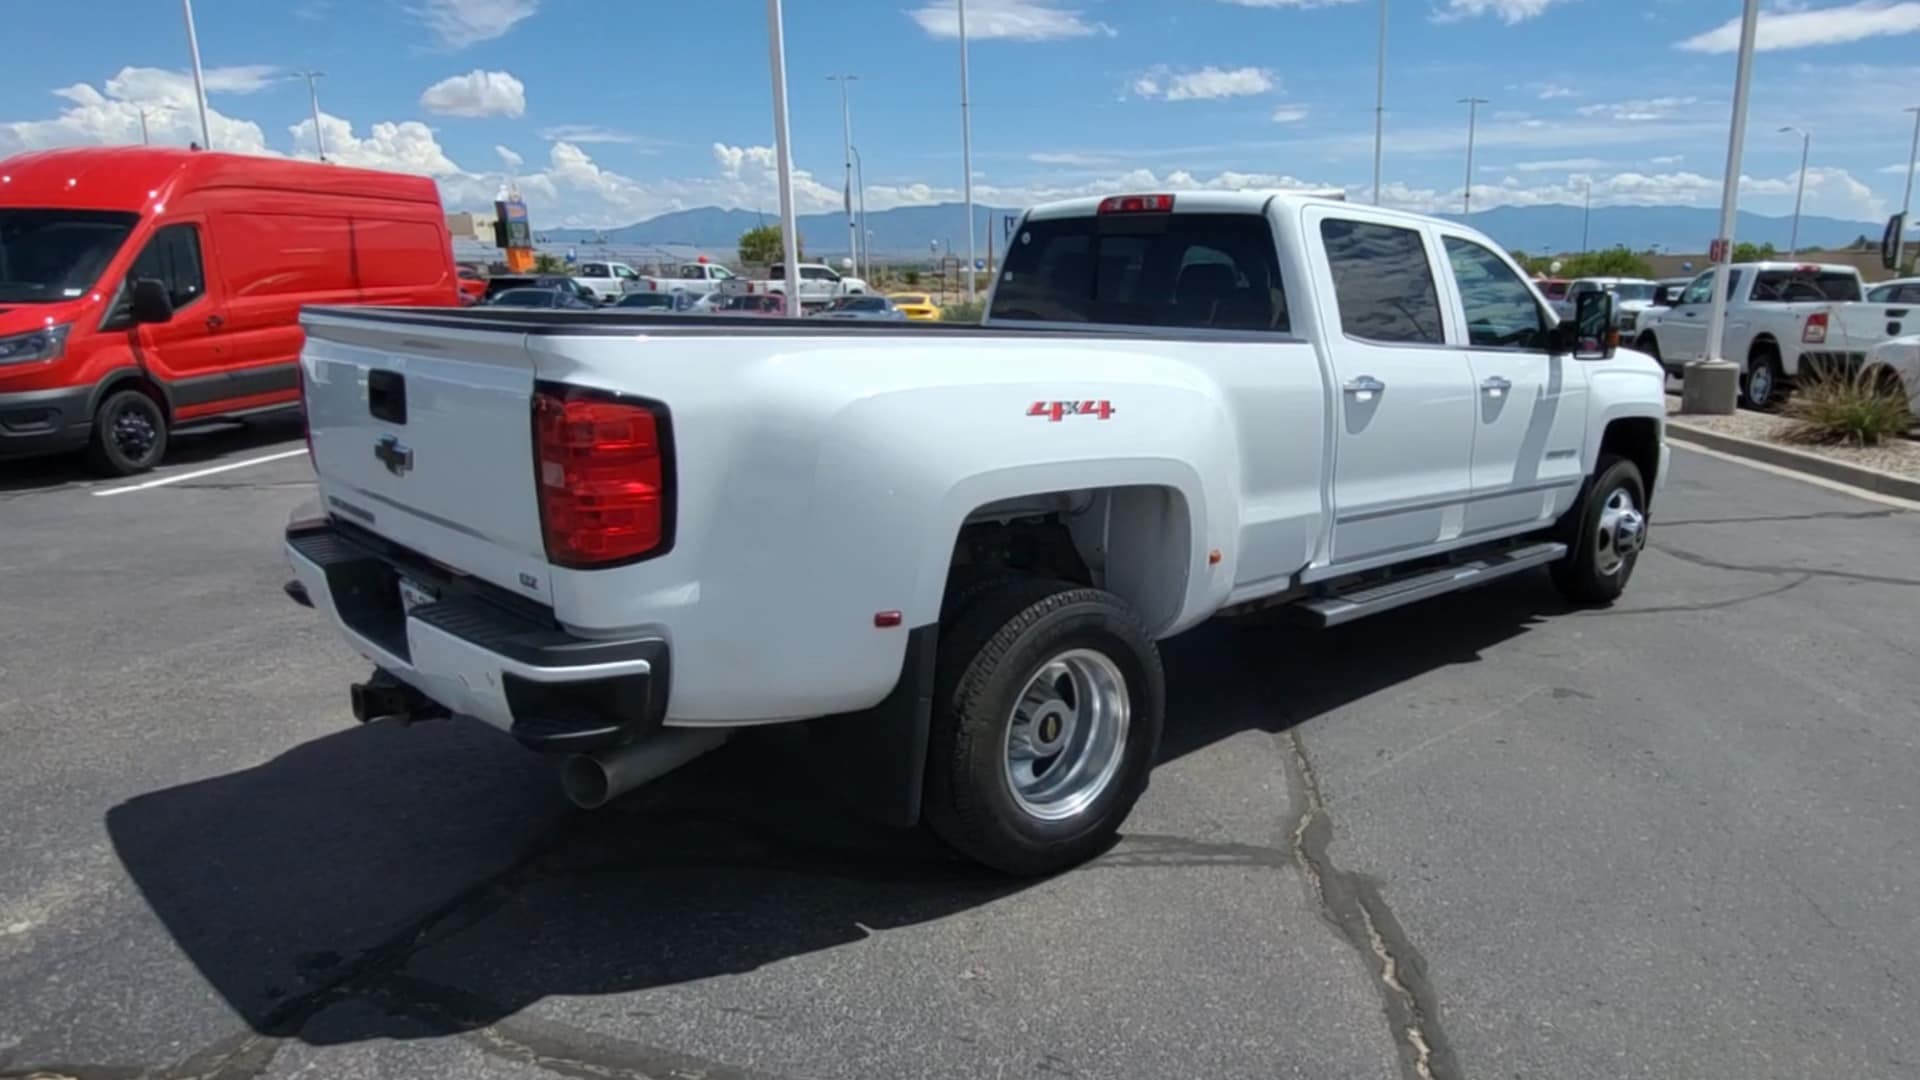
x: 215, y: 322
x: 1495, y: 386
x: 1363, y: 387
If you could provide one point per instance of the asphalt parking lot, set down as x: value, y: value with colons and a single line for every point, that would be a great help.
x: 1487, y: 837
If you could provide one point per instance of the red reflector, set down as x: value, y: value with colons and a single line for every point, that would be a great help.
x: 885, y: 619
x: 1136, y: 204
x: 602, y: 477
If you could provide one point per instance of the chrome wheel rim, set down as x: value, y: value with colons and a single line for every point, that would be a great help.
x: 1068, y: 734
x: 134, y: 433
x: 1621, y: 534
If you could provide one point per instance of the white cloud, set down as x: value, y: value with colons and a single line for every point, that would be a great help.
x: 460, y: 23
x: 1549, y: 91
x: 509, y: 158
x: 582, y: 134
x: 1667, y: 159
x: 1013, y: 20
x: 1069, y: 157
x: 1583, y: 164
x: 1641, y: 110
x: 1801, y: 28
x: 1290, y: 3
x: 1831, y: 192
x: 1893, y: 170
x: 1289, y: 114
x: 111, y: 114
x: 477, y: 93
x: 405, y: 146
x: 1508, y: 11
x: 1206, y: 84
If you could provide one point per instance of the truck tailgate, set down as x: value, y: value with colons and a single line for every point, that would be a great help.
x: 423, y: 435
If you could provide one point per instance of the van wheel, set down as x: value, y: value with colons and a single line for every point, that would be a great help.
x: 1607, y: 536
x: 129, y: 434
x: 1049, y: 702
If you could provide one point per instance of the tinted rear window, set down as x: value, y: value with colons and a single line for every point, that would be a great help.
x: 1213, y: 271
x: 1793, y: 286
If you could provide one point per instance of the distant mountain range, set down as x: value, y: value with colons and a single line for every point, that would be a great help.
x: 910, y: 230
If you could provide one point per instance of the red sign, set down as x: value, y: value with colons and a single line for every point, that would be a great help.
x: 1717, y: 251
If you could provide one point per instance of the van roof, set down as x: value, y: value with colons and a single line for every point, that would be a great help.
x: 135, y: 178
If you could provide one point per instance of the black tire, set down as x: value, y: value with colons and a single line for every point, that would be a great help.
x: 129, y: 434
x: 1588, y: 575
x: 988, y: 657
x: 1770, y: 388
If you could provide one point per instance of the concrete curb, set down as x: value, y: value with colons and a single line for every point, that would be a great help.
x: 1859, y: 476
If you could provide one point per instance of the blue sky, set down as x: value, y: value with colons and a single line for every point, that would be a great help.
x: 609, y: 111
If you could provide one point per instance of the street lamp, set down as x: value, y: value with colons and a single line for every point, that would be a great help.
x: 1586, y: 216
x: 1380, y: 102
x: 1806, y: 144
x: 199, y: 80
x: 783, y: 152
x: 966, y: 146
x: 313, y: 99
x: 1906, y: 201
x: 846, y: 148
x: 1712, y: 385
x: 1473, y: 109
x: 866, y: 234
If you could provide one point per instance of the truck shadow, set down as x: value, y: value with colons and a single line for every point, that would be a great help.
x: 436, y: 873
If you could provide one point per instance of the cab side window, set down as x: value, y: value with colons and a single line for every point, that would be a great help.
x: 172, y: 258
x: 1383, y: 282
x: 1500, y: 308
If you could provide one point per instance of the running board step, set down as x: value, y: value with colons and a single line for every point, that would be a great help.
x: 1372, y: 600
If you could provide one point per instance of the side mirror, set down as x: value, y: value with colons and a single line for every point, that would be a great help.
x: 1594, y: 334
x: 151, y: 302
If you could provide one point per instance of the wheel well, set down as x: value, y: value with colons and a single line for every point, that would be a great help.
x: 1135, y: 542
x: 1763, y: 345
x: 131, y: 380
x: 1638, y: 440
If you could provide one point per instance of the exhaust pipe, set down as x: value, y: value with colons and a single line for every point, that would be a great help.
x: 594, y: 780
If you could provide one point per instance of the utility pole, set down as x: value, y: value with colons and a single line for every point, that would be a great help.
x: 145, y: 140
x: 199, y: 80
x: 1713, y: 385
x: 1586, y: 217
x: 866, y: 237
x: 1906, y: 201
x: 1799, y: 196
x: 966, y: 148
x: 783, y: 156
x: 1380, y: 103
x: 1473, y: 110
x: 846, y: 149
x: 313, y: 99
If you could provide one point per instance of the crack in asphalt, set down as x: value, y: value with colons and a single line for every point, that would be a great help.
x: 1354, y: 905
x: 1762, y: 519
x: 1784, y: 571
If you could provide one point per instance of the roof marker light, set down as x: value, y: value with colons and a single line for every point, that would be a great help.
x: 1136, y: 204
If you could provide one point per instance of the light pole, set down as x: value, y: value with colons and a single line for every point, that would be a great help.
x: 199, y: 80
x: 1713, y: 384
x: 1799, y: 196
x: 145, y: 140
x: 1473, y: 111
x: 1906, y: 201
x: 1380, y: 103
x: 783, y: 155
x: 313, y: 99
x: 866, y: 234
x: 1586, y: 216
x: 966, y: 147
x: 846, y: 149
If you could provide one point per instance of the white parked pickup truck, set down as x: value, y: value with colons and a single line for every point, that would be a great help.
x: 609, y: 281
x: 1783, y: 320
x: 950, y: 550
x: 820, y: 284
x: 695, y: 277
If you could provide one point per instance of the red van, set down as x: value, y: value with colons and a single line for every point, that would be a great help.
x: 145, y: 289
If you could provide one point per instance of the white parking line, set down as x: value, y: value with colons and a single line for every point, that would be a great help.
x: 165, y: 480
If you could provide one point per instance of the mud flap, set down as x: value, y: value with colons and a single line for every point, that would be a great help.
x: 877, y: 757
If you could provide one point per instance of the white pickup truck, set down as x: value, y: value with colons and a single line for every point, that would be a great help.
x: 951, y: 549
x: 695, y: 277
x: 608, y: 281
x: 820, y: 284
x: 1783, y: 320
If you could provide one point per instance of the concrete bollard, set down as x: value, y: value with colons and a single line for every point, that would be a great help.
x: 1711, y: 387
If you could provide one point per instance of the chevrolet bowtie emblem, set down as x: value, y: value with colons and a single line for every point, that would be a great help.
x: 397, y: 458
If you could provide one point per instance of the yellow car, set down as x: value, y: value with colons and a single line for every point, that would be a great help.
x: 918, y: 306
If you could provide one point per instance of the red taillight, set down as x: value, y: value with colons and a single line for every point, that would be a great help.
x: 1137, y: 204
x: 603, y: 474
x: 1815, y: 332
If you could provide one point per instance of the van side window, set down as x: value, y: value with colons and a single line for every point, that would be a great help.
x: 1500, y: 308
x: 1383, y: 282
x: 172, y: 257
